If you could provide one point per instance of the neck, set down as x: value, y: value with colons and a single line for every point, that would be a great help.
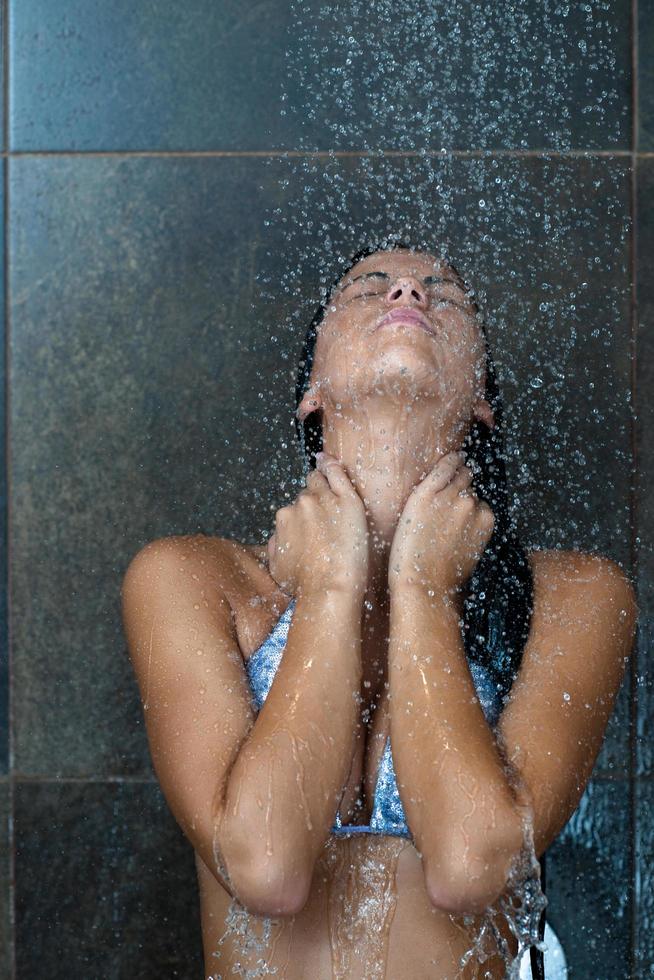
x: 386, y: 454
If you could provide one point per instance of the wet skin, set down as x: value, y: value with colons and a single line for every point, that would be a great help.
x: 586, y: 597
x: 582, y: 632
x: 404, y: 936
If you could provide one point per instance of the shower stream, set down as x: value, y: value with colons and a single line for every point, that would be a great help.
x: 450, y: 125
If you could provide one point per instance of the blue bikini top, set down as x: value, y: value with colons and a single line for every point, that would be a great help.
x: 387, y: 813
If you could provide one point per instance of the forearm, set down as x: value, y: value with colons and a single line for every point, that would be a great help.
x: 285, y: 784
x: 458, y: 802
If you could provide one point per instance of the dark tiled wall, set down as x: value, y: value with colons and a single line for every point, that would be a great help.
x: 150, y: 394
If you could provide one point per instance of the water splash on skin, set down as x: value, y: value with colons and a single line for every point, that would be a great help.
x: 251, y: 935
x: 249, y: 944
x: 520, y: 905
x: 301, y: 774
x: 361, y: 907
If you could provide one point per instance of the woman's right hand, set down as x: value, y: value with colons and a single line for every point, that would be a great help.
x: 321, y: 539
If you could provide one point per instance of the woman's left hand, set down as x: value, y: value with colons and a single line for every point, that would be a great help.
x: 442, y: 531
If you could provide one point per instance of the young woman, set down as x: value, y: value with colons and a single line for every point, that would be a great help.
x: 408, y: 615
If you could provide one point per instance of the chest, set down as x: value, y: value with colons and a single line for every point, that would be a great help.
x: 370, y: 784
x: 374, y: 722
x: 262, y: 630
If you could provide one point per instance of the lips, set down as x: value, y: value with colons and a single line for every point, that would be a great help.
x: 407, y: 314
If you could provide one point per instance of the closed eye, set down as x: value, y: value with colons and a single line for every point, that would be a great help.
x: 429, y: 281
x: 379, y: 292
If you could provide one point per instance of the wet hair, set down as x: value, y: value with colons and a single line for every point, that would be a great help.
x: 498, y: 596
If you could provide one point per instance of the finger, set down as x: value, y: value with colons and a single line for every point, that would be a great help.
x: 316, y: 484
x: 334, y: 472
x: 316, y: 480
x: 444, y: 471
x: 462, y: 479
x: 451, y: 463
x: 281, y: 515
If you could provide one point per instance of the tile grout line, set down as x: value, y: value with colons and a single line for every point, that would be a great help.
x: 11, y: 830
x: 41, y: 779
x: 330, y: 154
x: 634, y: 484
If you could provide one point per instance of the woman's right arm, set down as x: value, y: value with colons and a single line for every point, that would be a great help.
x: 283, y: 790
x: 255, y: 794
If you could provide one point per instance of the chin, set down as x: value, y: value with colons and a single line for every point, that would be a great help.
x: 409, y: 375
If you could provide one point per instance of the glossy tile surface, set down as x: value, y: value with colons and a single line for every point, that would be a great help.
x: 644, y: 884
x: 646, y: 75
x: 87, y: 76
x: 105, y: 884
x: 4, y: 523
x: 5, y: 874
x: 588, y: 883
x: 645, y: 450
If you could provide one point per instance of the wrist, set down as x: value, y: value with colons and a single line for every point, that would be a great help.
x: 437, y: 596
x: 333, y: 594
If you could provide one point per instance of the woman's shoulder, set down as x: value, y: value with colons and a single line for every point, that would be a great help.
x: 250, y: 555
x: 244, y: 569
x: 235, y: 571
x: 558, y: 567
x: 236, y: 565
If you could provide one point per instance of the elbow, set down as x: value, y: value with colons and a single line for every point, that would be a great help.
x: 470, y: 882
x: 271, y: 885
x: 465, y: 895
x: 265, y: 889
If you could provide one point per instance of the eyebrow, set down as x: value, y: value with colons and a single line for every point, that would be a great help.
x: 428, y: 280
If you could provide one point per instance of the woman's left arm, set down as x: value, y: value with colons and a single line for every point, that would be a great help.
x: 455, y: 794
x: 463, y: 813
x: 466, y: 818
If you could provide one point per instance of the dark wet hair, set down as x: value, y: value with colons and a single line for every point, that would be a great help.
x: 498, y: 597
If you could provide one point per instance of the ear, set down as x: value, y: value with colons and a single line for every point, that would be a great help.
x: 311, y: 402
x: 484, y: 413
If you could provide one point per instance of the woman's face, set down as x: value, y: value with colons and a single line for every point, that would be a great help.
x: 400, y: 324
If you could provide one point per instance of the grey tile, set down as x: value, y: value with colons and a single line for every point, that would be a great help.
x: 645, y: 75
x: 105, y: 884
x: 588, y: 883
x: 158, y: 309
x: 142, y: 302
x: 3, y: 30
x: 460, y: 76
x: 644, y: 885
x: 613, y: 758
x: 645, y: 675
x: 88, y: 77
x: 5, y: 875
x: 4, y: 612
x: 132, y: 76
x: 645, y: 451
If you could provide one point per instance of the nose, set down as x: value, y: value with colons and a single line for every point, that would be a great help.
x: 407, y: 291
